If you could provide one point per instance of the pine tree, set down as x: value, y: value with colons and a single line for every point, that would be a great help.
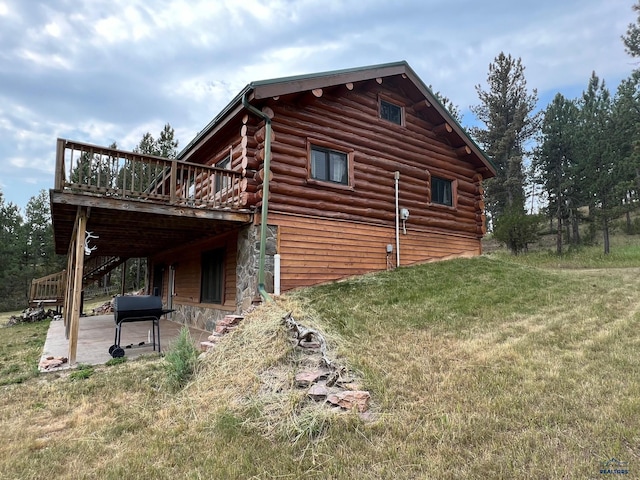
x: 556, y: 161
x: 13, y: 271
x: 632, y: 39
x: 506, y: 110
x: 599, y: 154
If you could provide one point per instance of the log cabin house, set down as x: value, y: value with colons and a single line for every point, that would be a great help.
x: 297, y: 181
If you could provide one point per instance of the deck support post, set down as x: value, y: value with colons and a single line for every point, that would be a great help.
x: 77, y: 250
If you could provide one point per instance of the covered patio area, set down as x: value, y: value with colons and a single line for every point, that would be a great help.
x: 96, y: 335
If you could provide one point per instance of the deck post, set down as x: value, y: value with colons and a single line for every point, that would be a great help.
x: 173, y: 184
x: 76, y: 300
x: 59, y: 174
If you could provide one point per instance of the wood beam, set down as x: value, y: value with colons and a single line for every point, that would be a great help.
x: 442, y: 128
x: 317, y: 92
x: 463, y: 151
x: 421, y: 105
x: 349, y: 86
x: 379, y: 80
x: 81, y: 220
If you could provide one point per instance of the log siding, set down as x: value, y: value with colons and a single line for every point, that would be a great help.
x: 378, y: 148
x: 316, y: 250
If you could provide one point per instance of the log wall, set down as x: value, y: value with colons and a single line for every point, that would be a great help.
x: 348, y: 121
x: 316, y: 250
x: 188, y: 272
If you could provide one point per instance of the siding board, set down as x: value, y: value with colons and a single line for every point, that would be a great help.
x: 317, y: 250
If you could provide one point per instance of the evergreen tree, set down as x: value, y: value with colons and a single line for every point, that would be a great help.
x: 506, y: 110
x: 625, y: 131
x: 13, y: 271
x: 632, y: 38
x: 555, y: 160
x: 599, y: 155
x: 165, y: 146
x: 39, y: 237
x: 451, y: 107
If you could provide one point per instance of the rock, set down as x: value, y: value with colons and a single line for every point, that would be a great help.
x: 349, y: 399
x: 215, y: 337
x: 230, y: 320
x: 204, y: 346
x: 318, y: 392
x: 52, y: 362
x: 221, y: 329
x: 307, y: 344
x: 310, y: 376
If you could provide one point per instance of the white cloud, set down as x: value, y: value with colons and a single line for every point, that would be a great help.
x: 46, y: 61
x: 53, y: 29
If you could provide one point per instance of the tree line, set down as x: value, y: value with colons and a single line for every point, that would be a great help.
x: 27, y: 249
x: 583, y: 154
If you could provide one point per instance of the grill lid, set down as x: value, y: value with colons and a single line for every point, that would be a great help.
x: 136, y: 306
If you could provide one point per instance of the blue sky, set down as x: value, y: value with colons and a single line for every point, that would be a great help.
x: 104, y: 71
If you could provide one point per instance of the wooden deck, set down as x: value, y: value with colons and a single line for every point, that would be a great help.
x: 138, y: 204
x: 48, y: 291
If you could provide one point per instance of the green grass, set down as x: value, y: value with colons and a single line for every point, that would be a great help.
x: 20, y: 350
x: 491, y: 367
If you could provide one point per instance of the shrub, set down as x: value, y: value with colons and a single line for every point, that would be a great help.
x: 181, y: 360
x: 517, y: 230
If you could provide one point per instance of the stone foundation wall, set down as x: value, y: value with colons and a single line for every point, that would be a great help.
x: 198, y: 317
x: 248, y: 263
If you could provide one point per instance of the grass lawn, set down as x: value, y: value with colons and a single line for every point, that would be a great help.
x: 491, y: 367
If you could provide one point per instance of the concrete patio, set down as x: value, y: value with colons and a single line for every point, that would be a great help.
x: 96, y: 334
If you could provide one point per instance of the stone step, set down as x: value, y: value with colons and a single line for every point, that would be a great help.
x: 205, y: 346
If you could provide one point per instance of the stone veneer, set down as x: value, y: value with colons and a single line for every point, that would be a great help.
x: 248, y: 263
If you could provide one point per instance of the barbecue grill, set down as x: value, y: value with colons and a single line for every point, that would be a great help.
x: 136, y: 308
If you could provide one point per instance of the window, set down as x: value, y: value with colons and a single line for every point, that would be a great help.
x: 222, y: 181
x: 391, y: 112
x: 212, y: 276
x: 329, y: 165
x: 441, y: 191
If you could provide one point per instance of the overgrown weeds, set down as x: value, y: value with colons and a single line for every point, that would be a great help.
x: 82, y: 372
x: 181, y: 361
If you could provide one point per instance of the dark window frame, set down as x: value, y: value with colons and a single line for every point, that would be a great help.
x: 322, y: 146
x: 386, y: 106
x: 438, y: 191
x: 212, y: 278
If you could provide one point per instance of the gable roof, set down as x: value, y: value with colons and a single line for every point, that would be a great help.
x: 264, y: 89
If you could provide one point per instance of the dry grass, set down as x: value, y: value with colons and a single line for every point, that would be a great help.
x: 492, y: 367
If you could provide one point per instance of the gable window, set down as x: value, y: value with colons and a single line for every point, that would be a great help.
x: 329, y: 165
x: 212, y: 276
x: 442, y: 191
x: 222, y: 181
x: 391, y: 112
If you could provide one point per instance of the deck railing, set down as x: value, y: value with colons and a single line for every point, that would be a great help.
x: 48, y: 291
x: 84, y: 168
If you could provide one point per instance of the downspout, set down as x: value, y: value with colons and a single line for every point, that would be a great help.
x: 265, y: 195
x: 397, y: 177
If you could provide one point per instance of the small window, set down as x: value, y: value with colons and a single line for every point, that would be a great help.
x: 329, y: 165
x: 391, y: 112
x: 212, y: 276
x: 442, y: 191
x: 222, y: 181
